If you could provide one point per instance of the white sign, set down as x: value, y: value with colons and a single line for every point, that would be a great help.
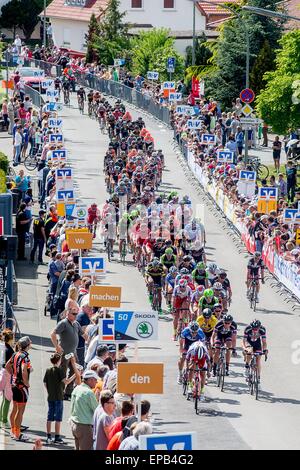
x: 91, y: 266
x: 80, y: 212
x: 51, y: 95
x: 247, y: 110
x: 208, y: 139
x: 152, y: 75
x: 182, y: 109
x: 194, y: 124
x: 136, y: 326
x: 55, y: 122
x: 175, y: 96
x: 63, y: 179
x: 38, y: 73
x: 48, y: 84
x: 169, y: 86
x: 225, y: 156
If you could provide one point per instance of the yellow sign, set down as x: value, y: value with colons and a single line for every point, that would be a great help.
x: 140, y: 378
x: 105, y: 296
x: 265, y: 207
x: 61, y: 209
x: 80, y: 241
x: 298, y: 237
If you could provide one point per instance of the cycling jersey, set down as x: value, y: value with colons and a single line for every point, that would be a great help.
x: 207, y: 327
x: 156, y: 273
x: 18, y: 360
x: 203, y: 303
x: 192, y: 356
x: 170, y: 280
x: 186, y: 335
x: 168, y: 262
x: 251, y: 337
x: 225, y: 334
x: 200, y: 277
x: 254, y: 267
x: 187, y: 293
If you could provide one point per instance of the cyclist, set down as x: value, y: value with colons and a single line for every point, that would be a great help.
x: 208, y: 300
x: 196, y: 296
x: 57, y: 84
x: 81, y: 97
x: 200, y: 275
x: 187, y: 263
x: 155, y: 272
x: 90, y: 99
x: 221, y: 295
x: 182, y: 294
x: 169, y: 286
x: 197, y: 358
x: 223, y: 279
x: 207, y: 322
x: 254, y: 341
x: 225, y: 333
x: 212, y: 271
x: 66, y: 86
x: 217, y: 311
x: 93, y: 218
x: 189, y: 335
x: 255, y: 265
x: 168, y: 259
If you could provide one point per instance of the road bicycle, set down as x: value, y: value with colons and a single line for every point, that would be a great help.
x: 196, y: 388
x: 185, y: 375
x: 66, y: 97
x: 109, y: 249
x: 90, y: 109
x: 262, y: 171
x: 102, y: 125
x: 81, y: 104
x: 183, y: 320
x: 253, y: 378
x: 221, y: 367
x: 31, y: 162
x: 155, y: 298
x: 253, y: 293
x: 123, y: 253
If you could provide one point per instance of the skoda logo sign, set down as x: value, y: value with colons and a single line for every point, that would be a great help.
x: 81, y: 213
x: 144, y: 330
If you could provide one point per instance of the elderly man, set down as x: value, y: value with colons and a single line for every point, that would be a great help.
x: 68, y: 331
x: 83, y: 406
x: 84, y: 316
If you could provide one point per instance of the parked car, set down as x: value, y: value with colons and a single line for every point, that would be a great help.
x: 31, y: 76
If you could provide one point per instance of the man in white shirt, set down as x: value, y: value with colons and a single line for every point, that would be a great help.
x: 18, y: 43
x: 102, y: 353
x: 17, y: 145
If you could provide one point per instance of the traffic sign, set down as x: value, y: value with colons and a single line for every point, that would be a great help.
x: 140, y: 378
x: 247, y: 110
x: 91, y: 266
x: 106, y: 329
x: 1, y: 226
x: 171, y: 64
x: 136, y: 326
x: 247, y: 95
x: 105, y: 296
x: 249, y: 121
x: 168, y: 442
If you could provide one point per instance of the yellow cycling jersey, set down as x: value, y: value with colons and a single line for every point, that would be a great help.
x: 207, y: 327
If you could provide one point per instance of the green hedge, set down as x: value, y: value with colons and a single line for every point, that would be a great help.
x: 2, y: 182
x: 4, y: 162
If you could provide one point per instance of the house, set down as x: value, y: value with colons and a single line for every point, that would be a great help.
x: 70, y: 19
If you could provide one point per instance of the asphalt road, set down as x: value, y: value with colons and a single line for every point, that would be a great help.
x: 229, y: 420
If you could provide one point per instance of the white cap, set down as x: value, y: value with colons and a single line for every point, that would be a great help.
x: 90, y: 374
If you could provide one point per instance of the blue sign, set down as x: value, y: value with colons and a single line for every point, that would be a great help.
x: 65, y: 196
x: 208, y: 139
x: 225, y: 156
x: 248, y: 176
x: 171, y: 64
x: 91, y: 266
x: 69, y: 211
x: 194, y: 123
x: 291, y: 216
x: 64, y: 173
x: 180, y: 441
x: 175, y: 96
x: 152, y: 75
x: 56, y: 138
x: 51, y: 107
x: 55, y: 122
x: 106, y: 329
x: 59, y: 154
x: 268, y: 194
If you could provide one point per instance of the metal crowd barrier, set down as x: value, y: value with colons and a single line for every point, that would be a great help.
x: 35, y: 96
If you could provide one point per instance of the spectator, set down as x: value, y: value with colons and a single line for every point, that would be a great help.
x: 291, y: 176
x: 83, y: 406
x: 22, y: 222
x: 39, y: 237
x: 84, y: 316
x: 126, y: 412
x: 103, y: 419
x: 276, y: 153
x: 132, y: 442
x: 55, y: 381
x: 282, y: 186
x: 18, y: 139
x: 101, y: 372
x: 7, y: 337
x: 102, y: 353
x: 68, y: 331
x: 239, y: 138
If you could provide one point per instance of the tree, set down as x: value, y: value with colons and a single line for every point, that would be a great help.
x: 91, y: 37
x: 22, y: 14
x: 150, y: 52
x: 279, y: 103
x: 227, y: 78
x: 112, y: 40
x: 202, y: 52
x: 263, y: 63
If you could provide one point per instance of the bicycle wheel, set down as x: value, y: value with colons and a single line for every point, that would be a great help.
x: 11, y: 172
x: 254, y: 302
x: 255, y: 385
x: 184, y: 382
x: 155, y: 300
x: 251, y: 381
x: 30, y: 163
x: 108, y: 249
x: 262, y: 172
x: 223, y: 377
x: 219, y: 377
x: 197, y: 396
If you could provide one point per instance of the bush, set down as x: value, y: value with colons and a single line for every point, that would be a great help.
x: 4, y: 162
x: 2, y: 182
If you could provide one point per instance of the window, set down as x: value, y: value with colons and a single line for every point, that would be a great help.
x: 169, y: 4
x: 136, y: 3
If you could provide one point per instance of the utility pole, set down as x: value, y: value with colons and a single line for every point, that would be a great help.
x: 194, y: 34
x: 44, y: 28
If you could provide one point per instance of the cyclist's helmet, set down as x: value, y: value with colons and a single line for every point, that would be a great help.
x: 199, y: 351
x: 228, y: 318
x: 207, y: 313
x: 155, y: 262
x: 182, y: 283
x: 193, y: 327
x: 169, y: 251
x: 255, y: 324
x: 200, y: 290
x: 217, y: 286
x: 184, y: 271
x: 257, y: 254
x: 223, y: 274
x: 208, y: 293
x: 212, y: 267
x: 200, y: 266
x: 217, y: 307
x: 187, y: 259
x: 173, y: 270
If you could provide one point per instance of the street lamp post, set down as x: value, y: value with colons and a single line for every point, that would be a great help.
x: 269, y: 13
x: 194, y: 34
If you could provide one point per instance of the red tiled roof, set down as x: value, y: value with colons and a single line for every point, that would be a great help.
x: 212, y: 10
x: 58, y: 9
